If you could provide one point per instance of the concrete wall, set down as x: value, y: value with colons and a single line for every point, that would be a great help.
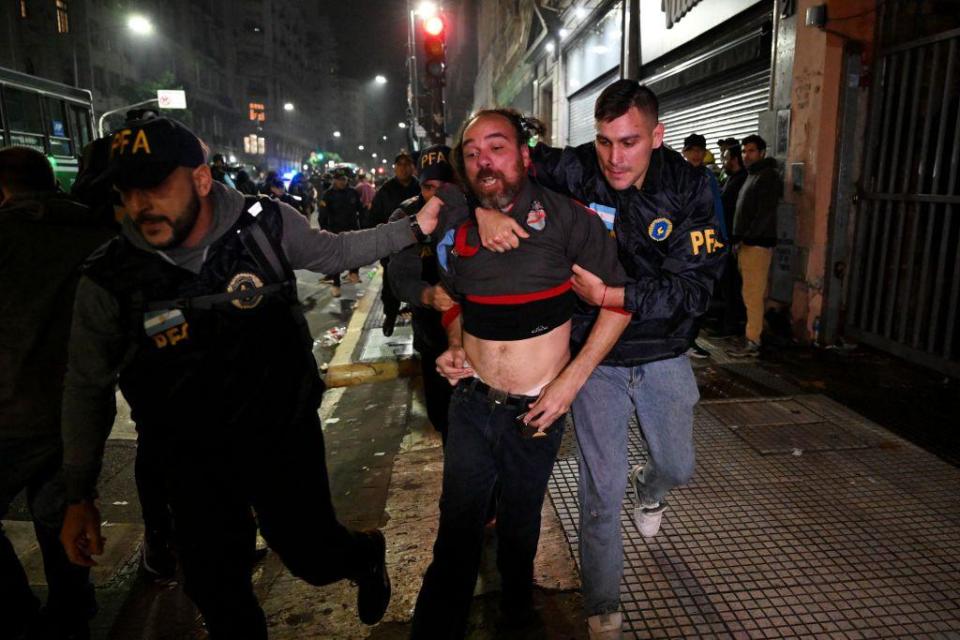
x: 817, y: 83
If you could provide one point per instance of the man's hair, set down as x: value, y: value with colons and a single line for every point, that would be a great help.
x: 23, y: 170
x: 617, y: 99
x: 524, y: 128
x: 754, y: 139
x: 735, y: 152
x: 403, y: 155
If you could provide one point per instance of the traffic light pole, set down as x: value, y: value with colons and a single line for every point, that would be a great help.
x: 413, y: 86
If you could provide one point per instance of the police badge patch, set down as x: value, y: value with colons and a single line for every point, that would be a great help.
x: 244, y: 282
x: 660, y: 229
x: 537, y: 217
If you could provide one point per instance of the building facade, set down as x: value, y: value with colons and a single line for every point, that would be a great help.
x: 232, y: 57
x: 857, y: 100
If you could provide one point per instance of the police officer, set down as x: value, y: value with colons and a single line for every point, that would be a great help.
x: 342, y: 209
x: 194, y: 308
x: 664, y: 214
x: 394, y: 191
x: 414, y: 277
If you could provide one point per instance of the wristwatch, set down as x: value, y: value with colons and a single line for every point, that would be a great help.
x: 422, y: 237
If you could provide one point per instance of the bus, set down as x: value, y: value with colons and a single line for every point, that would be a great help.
x: 53, y: 118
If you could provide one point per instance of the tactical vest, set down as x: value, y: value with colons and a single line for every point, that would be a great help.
x: 223, y: 352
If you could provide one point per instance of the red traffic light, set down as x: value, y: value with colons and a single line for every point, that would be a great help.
x: 433, y: 25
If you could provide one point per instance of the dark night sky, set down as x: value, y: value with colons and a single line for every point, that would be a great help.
x: 372, y: 39
x: 372, y: 36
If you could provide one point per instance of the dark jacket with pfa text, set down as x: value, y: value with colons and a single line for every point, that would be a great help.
x: 669, y: 244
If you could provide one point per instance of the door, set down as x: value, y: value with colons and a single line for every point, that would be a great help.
x: 905, y: 282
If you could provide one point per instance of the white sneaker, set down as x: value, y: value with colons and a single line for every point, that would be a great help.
x: 646, y: 516
x: 606, y: 626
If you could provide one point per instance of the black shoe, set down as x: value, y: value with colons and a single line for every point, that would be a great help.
x: 157, y: 557
x: 374, y: 585
x: 389, y: 322
x: 55, y: 625
x: 521, y: 615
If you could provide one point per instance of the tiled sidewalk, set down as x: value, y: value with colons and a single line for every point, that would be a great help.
x: 803, y: 520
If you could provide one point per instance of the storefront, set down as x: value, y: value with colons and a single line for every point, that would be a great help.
x: 591, y: 62
x: 709, y: 63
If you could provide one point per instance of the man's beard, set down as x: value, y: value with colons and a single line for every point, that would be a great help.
x: 507, y: 193
x: 181, y: 227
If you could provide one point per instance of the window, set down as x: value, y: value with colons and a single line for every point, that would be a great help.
x: 254, y: 144
x: 63, y: 19
x: 56, y: 112
x: 24, y: 116
x: 23, y: 9
x: 257, y: 112
x: 80, y: 126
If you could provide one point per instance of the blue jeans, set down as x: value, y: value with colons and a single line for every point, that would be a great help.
x: 484, y: 446
x: 663, y: 394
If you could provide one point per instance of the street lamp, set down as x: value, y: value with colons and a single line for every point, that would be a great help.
x: 336, y: 134
x: 402, y: 125
x: 384, y: 137
x: 380, y: 79
x: 359, y: 147
x: 140, y: 24
x: 373, y: 155
x: 288, y: 106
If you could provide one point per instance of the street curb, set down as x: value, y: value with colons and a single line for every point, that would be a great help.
x: 354, y: 373
x: 342, y: 371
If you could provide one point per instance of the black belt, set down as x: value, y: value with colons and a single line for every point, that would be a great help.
x: 508, y: 400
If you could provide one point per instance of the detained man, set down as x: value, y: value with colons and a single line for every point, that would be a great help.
x: 509, y: 357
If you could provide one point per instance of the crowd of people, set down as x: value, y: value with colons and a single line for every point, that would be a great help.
x: 542, y: 281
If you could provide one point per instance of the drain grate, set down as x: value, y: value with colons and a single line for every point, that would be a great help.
x: 788, y: 425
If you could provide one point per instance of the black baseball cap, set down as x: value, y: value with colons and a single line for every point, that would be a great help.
x: 694, y: 140
x: 435, y: 164
x: 144, y: 152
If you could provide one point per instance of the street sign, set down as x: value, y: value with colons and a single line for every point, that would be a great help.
x: 172, y: 98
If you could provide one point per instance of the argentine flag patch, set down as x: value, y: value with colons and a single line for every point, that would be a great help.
x: 607, y: 214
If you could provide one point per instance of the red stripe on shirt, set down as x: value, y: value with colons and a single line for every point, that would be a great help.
x: 520, y: 298
x: 450, y: 315
x: 619, y: 310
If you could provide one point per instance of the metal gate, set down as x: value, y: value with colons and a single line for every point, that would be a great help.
x: 724, y: 109
x: 581, y: 126
x: 905, y: 281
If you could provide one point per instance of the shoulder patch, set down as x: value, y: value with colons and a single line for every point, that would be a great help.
x: 660, y: 229
x: 607, y: 214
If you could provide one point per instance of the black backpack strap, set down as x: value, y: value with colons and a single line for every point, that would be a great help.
x: 268, y: 257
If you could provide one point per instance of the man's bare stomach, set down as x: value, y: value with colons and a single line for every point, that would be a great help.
x: 521, y: 367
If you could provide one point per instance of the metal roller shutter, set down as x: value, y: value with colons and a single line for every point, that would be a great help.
x: 581, y: 126
x: 716, y: 110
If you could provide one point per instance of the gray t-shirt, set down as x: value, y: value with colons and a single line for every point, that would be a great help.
x: 99, y: 348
